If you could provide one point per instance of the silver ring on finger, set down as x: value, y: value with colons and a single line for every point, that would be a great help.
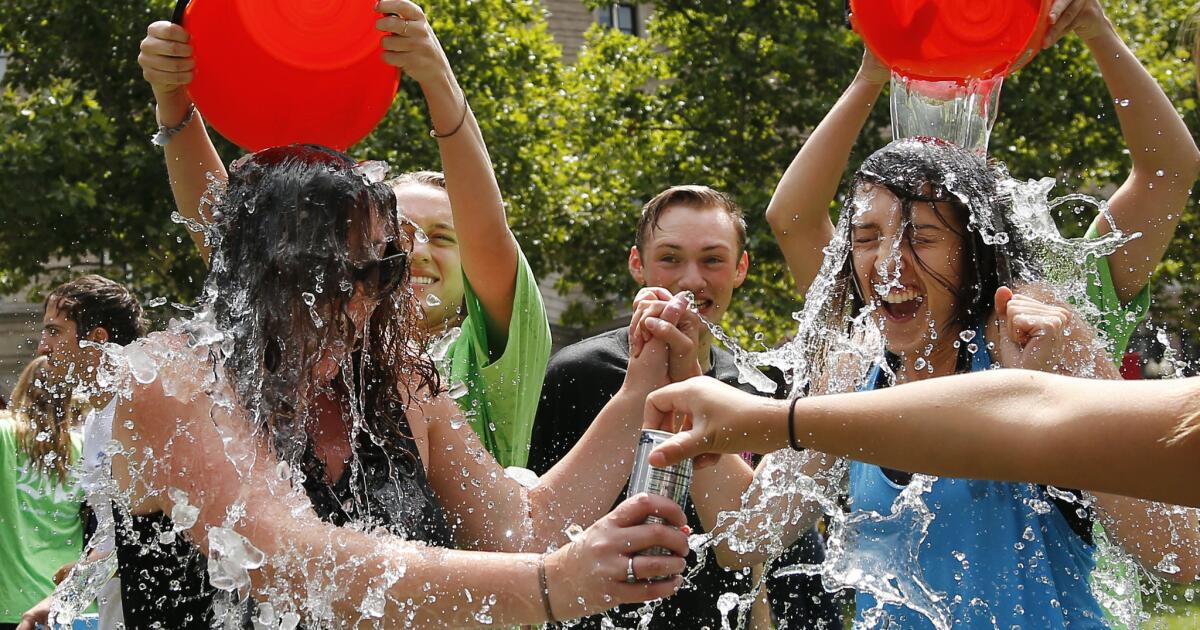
x: 630, y: 576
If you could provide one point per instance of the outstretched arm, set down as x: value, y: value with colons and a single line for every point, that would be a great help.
x: 244, y: 504
x: 799, y: 209
x: 1009, y: 425
x: 1165, y: 159
x: 488, y: 247
x: 167, y: 64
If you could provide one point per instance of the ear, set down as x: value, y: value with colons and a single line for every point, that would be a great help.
x: 635, y: 266
x: 98, y: 335
x: 743, y: 266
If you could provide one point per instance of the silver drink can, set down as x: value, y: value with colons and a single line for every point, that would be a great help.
x: 672, y: 481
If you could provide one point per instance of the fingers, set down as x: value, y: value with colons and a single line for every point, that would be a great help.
x: 663, y: 404
x: 635, y: 510
x: 674, y: 309
x: 679, y: 343
x: 642, y: 537
x: 401, y: 8
x: 647, y: 591
x: 651, y: 293
x: 651, y: 567
x: 1003, y: 296
x: 1064, y: 22
x: 168, y: 31
x: 690, y: 444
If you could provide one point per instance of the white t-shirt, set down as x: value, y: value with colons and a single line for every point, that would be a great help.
x: 97, y: 475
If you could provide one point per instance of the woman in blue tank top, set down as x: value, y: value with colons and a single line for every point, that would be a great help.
x: 921, y: 255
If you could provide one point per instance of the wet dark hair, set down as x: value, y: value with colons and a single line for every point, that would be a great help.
x: 282, y: 279
x: 928, y: 170
x: 93, y: 301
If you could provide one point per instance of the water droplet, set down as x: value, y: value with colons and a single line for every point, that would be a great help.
x: 972, y: 348
x: 421, y: 236
x: 1160, y: 173
x: 156, y: 302
x: 920, y: 363
x: 308, y: 298
x: 967, y: 335
x: 1123, y: 102
x: 432, y: 300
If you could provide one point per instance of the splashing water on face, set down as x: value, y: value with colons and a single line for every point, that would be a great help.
x: 835, y: 347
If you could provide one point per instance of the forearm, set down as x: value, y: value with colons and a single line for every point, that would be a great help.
x: 1155, y: 134
x: 191, y: 158
x: 1015, y: 425
x: 1164, y: 539
x: 719, y: 488
x: 1165, y: 160
x: 586, y: 482
x: 799, y: 210
x: 400, y: 584
x: 488, y: 247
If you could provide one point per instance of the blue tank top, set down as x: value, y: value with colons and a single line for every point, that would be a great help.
x: 1002, y: 553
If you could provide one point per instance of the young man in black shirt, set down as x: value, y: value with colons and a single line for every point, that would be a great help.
x: 690, y: 238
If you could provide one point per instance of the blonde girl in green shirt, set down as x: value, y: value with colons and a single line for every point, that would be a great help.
x: 40, y: 528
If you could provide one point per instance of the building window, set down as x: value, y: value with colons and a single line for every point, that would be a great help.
x: 621, y: 16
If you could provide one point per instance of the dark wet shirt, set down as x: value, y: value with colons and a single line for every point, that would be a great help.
x: 166, y: 584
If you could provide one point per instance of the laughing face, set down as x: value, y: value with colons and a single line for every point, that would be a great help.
x: 697, y: 250
x: 904, y: 264
x: 436, y: 267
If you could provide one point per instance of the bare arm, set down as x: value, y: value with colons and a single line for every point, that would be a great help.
x: 496, y: 513
x: 488, y: 247
x: 210, y: 453
x: 1165, y: 539
x: 1165, y: 159
x: 1105, y: 436
x: 166, y: 61
x: 799, y: 209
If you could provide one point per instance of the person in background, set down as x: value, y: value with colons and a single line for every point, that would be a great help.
x: 40, y: 500
x: 689, y: 238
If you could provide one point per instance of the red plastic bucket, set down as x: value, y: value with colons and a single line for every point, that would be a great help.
x: 952, y: 40
x: 277, y: 72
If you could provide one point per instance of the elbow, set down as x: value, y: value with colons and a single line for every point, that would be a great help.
x: 1191, y: 163
x: 779, y: 218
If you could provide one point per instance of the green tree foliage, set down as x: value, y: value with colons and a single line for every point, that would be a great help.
x: 719, y: 92
x: 737, y: 85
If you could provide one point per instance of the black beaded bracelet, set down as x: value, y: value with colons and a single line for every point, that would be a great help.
x: 792, y: 426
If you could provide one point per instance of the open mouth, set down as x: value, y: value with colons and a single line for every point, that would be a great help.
x: 902, y: 305
x: 420, y: 280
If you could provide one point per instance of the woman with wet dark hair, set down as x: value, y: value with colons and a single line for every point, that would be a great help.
x: 297, y: 399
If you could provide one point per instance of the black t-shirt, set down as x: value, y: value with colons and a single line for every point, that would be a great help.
x: 580, y: 380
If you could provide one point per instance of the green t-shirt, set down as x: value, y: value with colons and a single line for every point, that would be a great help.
x: 40, y: 528
x: 1117, y: 320
x: 502, y: 396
